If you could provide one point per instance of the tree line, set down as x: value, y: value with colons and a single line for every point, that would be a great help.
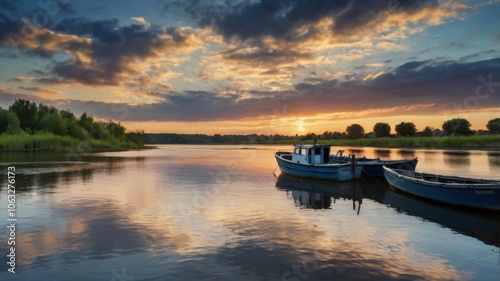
x: 26, y: 117
x: 453, y: 127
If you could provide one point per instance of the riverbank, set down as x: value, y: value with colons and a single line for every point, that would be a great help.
x: 51, y: 142
x: 441, y: 142
x: 488, y: 142
x: 56, y: 143
x: 455, y: 142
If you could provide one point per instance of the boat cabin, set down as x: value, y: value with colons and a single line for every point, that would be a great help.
x: 311, y: 154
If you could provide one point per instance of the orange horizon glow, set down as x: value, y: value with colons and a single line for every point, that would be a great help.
x: 302, y: 125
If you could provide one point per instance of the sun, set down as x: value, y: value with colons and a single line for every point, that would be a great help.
x: 300, y: 126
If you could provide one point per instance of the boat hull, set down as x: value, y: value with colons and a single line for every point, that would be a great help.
x: 483, y: 196
x: 337, y: 172
x: 374, y: 167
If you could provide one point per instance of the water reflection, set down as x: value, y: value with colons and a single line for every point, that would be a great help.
x: 32, y: 156
x: 88, y: 231
x: 406, y: 153
x: 494, y: 158
x: 481, y: 225
x: 46, y: 175
x: 219, y: 214
x: 318, y: 194
x: 383, y: 153
x: 457, y: 158
x: 357, y: 152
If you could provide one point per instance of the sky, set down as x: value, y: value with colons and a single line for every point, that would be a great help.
x: 248, y: 66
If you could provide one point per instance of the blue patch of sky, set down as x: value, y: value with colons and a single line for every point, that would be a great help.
x: 152, y: 11
x: 459, y: 38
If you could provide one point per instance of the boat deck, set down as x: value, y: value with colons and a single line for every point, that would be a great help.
x: 444, y: 179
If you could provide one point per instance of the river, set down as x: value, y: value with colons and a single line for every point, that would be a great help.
x: 195, y: 212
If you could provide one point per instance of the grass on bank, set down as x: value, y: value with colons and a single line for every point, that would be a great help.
x: 50, y: 142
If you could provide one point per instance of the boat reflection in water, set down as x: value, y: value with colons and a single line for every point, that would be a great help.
x: 482, y: 225
x: 321, y: 194
x: 316, y: 194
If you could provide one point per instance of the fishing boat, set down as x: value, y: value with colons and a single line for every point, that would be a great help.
x: 460, y: 191
x: 373, y: 166
x: 313, y: 161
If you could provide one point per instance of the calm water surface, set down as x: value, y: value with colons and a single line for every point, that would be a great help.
x: 220, y: 213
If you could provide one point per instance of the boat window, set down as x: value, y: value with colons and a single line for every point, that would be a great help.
x: 304, y: 151
x: 297, y: 150
x: 326, y: 155
x: 317, y: 150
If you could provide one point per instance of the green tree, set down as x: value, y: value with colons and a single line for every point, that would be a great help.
x: 53, y: 123
x: 406, y: 129
x: 382, y: 130
x: 99, y: 131
x: 9, y: 123
x: 136, y: 137
x: 71, y: 124
x: 115, y: 130
x: 355, y: 131
x: 27, y: 112
x: 427, y: 132
x: 494, y: 126
x: 86, y: 122
x: 457, y: 127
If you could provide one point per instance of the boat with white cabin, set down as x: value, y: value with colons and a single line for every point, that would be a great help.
x: 313, y: 161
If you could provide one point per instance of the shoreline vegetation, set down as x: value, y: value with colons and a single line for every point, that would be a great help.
x: 27, y: 126
x: 490, y: 142
x: 49, y: 142
x: 456, y: 134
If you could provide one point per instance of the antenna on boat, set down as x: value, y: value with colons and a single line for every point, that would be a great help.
x: 315, y: 141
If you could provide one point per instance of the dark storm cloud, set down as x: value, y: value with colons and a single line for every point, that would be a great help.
x: 292, y: 22
x: 280, y: 18
x: 265, y: 57
x: 114, y: 48
x: 105, y: 31
x: 100, y: 52
x: 7, y: 28
x: 437, y: 86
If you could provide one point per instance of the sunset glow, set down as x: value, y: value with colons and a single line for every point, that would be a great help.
x: 242, y: 67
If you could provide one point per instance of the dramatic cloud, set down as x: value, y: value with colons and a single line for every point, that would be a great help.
x: 101, y: 52
x: 281, y: 29
x: 419, y: 87
x: 199, y: 60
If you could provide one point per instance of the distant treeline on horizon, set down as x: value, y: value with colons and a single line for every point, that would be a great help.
x: 453, y: 127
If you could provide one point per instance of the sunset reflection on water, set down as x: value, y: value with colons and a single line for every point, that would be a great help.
x: 216, y: 212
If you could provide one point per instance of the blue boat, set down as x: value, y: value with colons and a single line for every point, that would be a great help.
x: 313, y: 161
x: 373, y: 166
x: 466, y: 192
